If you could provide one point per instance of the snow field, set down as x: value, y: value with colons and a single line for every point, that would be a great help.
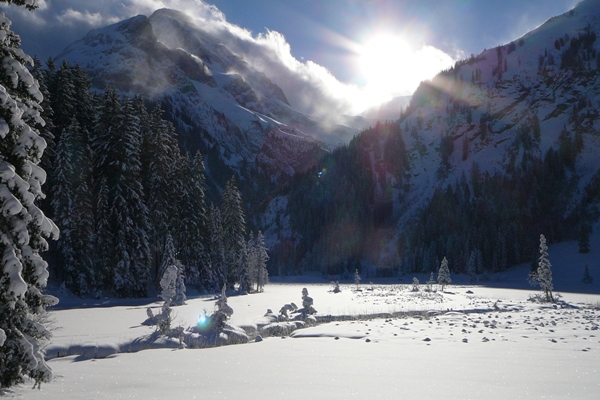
x: 490, y: 343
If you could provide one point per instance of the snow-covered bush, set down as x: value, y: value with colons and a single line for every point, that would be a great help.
x: 336, y: 287
x: 415, y: 284
x: 222, y: 311
x: 307, y: 304
x: 286, y: 309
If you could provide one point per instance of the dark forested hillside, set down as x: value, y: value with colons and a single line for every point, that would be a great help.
x: 121, y: 191
x: 488, y: 155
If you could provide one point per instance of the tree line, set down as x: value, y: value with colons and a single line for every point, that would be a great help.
x: 118, y: 185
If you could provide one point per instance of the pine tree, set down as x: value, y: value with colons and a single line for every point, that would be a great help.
x: 73, y: 211
x: 356, y: 278
x: 168, y: 283
x: 62, y: 201
x: 103, y: 245
x: 180, y: 289
x: 132, y: 271
x: 191, y: 226
x: 47, y: 115
x: 250, y: 269
x: 262, y: 274
x: 584, y: 238
x: 472, y: 266
x: 23, y: 226
x: 544, y: 271
x: 587, y: 277
x: 169, y: 256
x: 444, y: 274
x: 62, y: 88
x: 117, y: 150
x: 234, y: 229
x: 161, y: 183
x: 217, y: 247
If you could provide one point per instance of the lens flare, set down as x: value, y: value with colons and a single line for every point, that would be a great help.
x: 203, y: 322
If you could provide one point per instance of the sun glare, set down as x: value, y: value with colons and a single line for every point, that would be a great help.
x: 392, y: 67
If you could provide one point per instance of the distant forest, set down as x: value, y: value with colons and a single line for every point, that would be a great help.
x: 116, y: 197
x: 118, y: 186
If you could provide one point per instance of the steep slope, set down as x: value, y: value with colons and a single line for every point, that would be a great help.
x: 234, y: 114
x: 490, y: 100
x: 488, y: 155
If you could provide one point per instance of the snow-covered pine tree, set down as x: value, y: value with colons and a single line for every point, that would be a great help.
x: 544, y: 271
x: 222, y: 310
x: 180, y: 289
x: 84, y: 101
x: 262, y: 274
x: 234, y: 230
x: 62, y: 87
x: 169, y: 255
x: 162, y: 187
x: 23, y: 226
x: 84, y: 233
x: 73, y: 212
x: 62, y: 200
x: 472, y: 266
x: 168, y: 283
x: 117, y: 150
x: 103, y: 246
x: 169, y: 260
x: 356, y: 278
x: 47, y: 115
x: 217, y: 247
x: 192, y: 225
x: 444, y: 274
x: 250, y: 277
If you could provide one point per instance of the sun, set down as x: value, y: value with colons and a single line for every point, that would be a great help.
x: 391, y: 66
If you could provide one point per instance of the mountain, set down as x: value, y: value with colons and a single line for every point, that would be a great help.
x: 221, y: 105
x: 487, y: 156
x: 387, y: 111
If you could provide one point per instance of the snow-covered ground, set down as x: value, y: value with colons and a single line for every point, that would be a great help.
x: 469, y: 342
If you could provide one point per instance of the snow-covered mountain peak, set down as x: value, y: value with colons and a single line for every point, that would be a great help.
x: 219, y: 101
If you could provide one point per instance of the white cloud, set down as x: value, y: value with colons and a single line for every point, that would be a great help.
x: 71, y: 17
x: 309, y: 86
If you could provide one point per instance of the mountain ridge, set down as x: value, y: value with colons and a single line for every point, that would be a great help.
x: 218, y: 102
x: 497, y: 149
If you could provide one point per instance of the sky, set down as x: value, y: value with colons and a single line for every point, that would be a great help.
x: 376, y: 49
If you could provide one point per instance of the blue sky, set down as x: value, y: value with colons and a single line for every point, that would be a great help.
x: 414, y: 38
x: 457, y: 27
